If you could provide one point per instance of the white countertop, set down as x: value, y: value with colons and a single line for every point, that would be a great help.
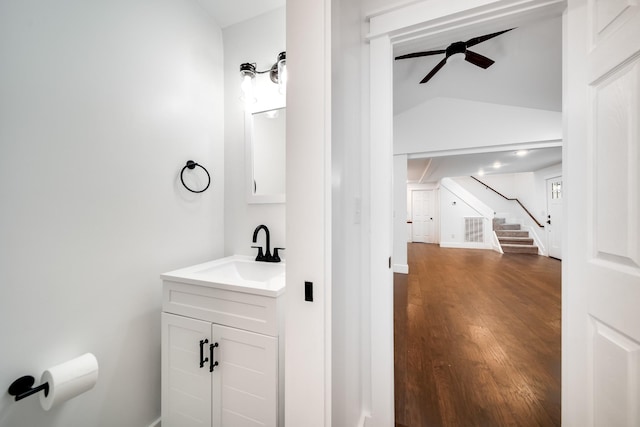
x: 238, y: 273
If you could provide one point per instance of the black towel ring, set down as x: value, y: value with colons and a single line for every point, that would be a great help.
x: 192, y: 165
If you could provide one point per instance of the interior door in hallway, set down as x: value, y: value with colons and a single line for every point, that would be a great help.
x: 601, y: 320
x: 422, y: 212
x: 554, y: 217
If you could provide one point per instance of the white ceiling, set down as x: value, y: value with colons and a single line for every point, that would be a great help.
x: 436, y: 168
x: 229, y: 12
x: 527, y: 73
x: 527, y: 70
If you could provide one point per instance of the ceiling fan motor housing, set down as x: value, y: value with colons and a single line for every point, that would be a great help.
x: 454, y: 48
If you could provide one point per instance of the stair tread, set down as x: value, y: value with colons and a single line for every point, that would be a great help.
x: 507, y: 227
x: 512, y: 233
x: 519, y: 249
x: 516, y: 240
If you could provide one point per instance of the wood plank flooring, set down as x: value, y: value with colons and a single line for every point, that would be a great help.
x: 477, y: 339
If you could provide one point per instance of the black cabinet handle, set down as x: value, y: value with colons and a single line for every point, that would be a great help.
x: 212, y: 364
x: 202, y: 359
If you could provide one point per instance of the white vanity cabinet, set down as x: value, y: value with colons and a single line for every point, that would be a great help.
x: 242, y: 388
x: 220, y: 355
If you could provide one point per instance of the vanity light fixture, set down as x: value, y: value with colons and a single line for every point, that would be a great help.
x: 277, y: 73
x: 280, y: 72
x: 247, y: 74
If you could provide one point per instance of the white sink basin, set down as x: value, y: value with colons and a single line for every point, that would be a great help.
x: 237, y: 272
x: 230, y: 269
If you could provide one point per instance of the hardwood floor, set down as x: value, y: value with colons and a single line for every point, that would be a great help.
x: 477, y: 339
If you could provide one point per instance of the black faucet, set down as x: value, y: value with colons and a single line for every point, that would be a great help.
x: 266, y: 256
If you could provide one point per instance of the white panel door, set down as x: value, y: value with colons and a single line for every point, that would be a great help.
x: 554, y: 217
x: 245, y: 391
x: 601, y: 329
x: 186, y: 382
x: 423, y: 209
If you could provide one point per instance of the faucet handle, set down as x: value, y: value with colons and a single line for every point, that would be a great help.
x: 276, y: 257
x: 260, y: 256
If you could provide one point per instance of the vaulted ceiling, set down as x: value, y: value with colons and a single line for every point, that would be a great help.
x: 527, y: 73
x: 527, y: 70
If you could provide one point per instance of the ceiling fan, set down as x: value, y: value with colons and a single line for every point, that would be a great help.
x: 457, y: 48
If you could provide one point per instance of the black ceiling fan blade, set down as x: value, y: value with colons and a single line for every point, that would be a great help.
x: 419, y: 54
x: 477, y: 59
x: 474, y: 41
x: 434, y: 71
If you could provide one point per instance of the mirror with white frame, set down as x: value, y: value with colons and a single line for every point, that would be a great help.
x: 265, y: 154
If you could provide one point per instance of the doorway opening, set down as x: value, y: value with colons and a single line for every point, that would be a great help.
x: 454, y: 349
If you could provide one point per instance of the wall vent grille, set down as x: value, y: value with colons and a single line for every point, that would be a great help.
x: 474, y: 229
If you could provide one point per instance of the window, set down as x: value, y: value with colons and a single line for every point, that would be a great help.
x: 556, y: 190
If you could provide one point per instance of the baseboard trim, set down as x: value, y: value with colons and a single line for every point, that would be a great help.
x: 401, y: 268
x: 156, y: 423
x: 464, y: 245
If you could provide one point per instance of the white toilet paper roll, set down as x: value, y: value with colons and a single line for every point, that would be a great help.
x: 69, y: 379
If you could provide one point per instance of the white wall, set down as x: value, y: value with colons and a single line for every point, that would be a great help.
x: 258, y: 40
x: 528, y: 187
x: 350, y: 340
x: 453, y: 209
x: 445, y: 124
x: 101, y: 105
x: 308, y: 339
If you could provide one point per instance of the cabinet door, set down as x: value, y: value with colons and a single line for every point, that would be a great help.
x: 186, y: 387
x: 245, y: 382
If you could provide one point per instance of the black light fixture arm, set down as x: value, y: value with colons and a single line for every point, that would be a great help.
x: 250, y: 68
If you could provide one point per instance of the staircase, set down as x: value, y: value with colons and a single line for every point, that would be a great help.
x: 512, y: 239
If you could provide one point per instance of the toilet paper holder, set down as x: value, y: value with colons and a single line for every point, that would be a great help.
x: 23, y: 387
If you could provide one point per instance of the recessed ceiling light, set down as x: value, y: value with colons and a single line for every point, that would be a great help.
x: 521, y: 153
x: 481, y: 172
x: 497, y: 165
